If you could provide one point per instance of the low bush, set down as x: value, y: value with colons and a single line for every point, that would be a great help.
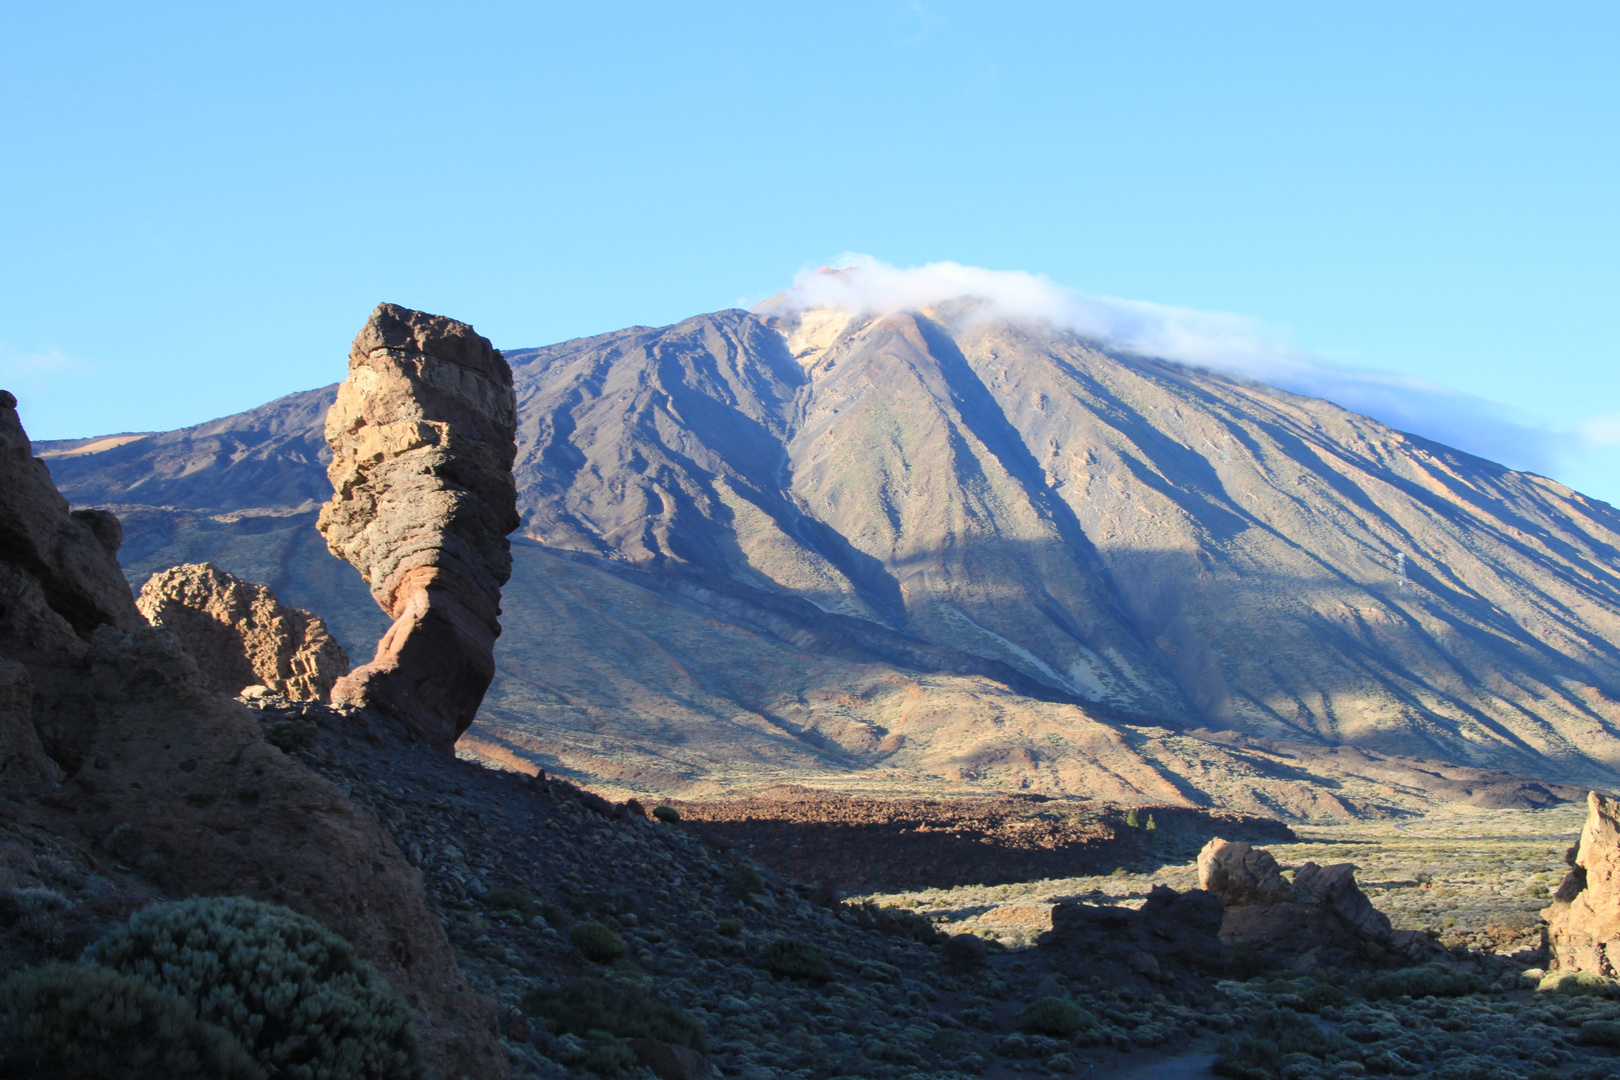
x: 510, y: 899
x: 743, y: 880
x: 1599, y: 1033
x: 795, y: 958
x: 33, y: 911
x: 291, y: 735
x: 729, y: 928
x: 294, y: 993
x: 667, y: 814
x: 596, y: 942
x: 1058, y: 1017
x: 587, y: 1005
x: 1430, y: 980
x: 607, y: 1056
x: 1581, y: 984
x: 1258, y: 1053
x: 70, y: 1022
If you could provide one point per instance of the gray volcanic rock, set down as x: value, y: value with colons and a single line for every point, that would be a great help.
x: 423, y: 499
x: 241, y: 635
x: 1322, y: 918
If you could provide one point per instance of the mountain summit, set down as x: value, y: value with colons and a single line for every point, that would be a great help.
x: 945, y: 545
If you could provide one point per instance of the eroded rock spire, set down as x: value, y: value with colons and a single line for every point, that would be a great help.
x: 423, y: 499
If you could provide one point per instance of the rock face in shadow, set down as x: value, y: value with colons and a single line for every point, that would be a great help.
x: 241, y: 635
x: 1583, y: 921
x: 423, y: 499
x: 1172, y: 941
x: 176, y: 780
x: 1320, y: 919
x: 59, y: 581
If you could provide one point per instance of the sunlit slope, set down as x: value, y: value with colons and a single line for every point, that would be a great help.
x: 1168, y: 542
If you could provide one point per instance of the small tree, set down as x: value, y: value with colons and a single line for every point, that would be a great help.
x: 1151, y: 824
x: 1133, y: 818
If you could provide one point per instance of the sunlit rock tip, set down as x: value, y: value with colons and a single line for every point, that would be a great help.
x: 423, y: 498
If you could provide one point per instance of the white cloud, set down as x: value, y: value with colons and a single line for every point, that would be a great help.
x: 1231, y: 344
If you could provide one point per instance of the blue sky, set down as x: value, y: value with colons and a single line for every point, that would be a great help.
x: 201, y: 203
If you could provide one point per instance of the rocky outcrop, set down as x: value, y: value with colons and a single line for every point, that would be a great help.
x: 59, y: 581
x: 1583, y: 922
x: 181, y: 784
x: 1171, y: 942
x: 241, y: 636
x: 175, y: 780
x: 423, y: 499
x: 1320, y: 919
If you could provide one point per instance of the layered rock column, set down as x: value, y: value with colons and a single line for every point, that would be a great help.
x: 1583, y: 922
x: 423, y: 499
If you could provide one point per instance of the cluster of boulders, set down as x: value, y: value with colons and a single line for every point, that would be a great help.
x: 1320, y: 919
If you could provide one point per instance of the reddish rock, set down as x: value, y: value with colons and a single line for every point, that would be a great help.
x: 423, y: 499
x: 241, y: 635
x: 1583, y: 922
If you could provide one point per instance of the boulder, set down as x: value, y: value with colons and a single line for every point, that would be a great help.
x: 1172, y: 942
x: 1583, y: 922
x: 241, y: 635
x: 423, y: 499
x: 1322, y: 918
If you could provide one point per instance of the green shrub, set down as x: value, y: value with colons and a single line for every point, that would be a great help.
x: 587, y: 1005
x: 1057, y: 1017
x: 743, y: 880
x: 1581, y: 984
x: 83, y: 1023
x: 293, y: 992
x: 607, y: 1056
x: 795, y: 958
x: 1426, y: 981
x: 554, y: 915
x: 596, y: 942
x: 1133, y: 818
x: 33, y: 911
x: 667, y: 814
x: 729, y: 928
x: 906, y: 923
x: 1599, y: 1033
x: 509, y: 899
x: 291, y: 735
x: 1259, y: 1051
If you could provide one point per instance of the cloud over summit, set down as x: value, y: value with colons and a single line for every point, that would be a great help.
x: 1231, y: 344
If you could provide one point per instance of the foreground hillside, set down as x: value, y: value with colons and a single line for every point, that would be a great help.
x: 924, y: 550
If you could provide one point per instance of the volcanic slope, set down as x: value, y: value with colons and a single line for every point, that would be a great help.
x: 934, y: 547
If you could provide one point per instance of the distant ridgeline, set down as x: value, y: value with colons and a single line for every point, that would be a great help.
x: 922, y: 552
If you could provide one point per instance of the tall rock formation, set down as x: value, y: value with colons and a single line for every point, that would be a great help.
x: 423, y: 499
x: 241, y: 635
x: 1583, y: 921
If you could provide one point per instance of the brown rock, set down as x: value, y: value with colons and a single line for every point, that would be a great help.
x: 1322, y: 918
x: 174, y: 780
x: 669, y: 1061
x: 1172, y: 940
x: 423, y: 499
x: 241, y: 636
x: 59, y: 580
x: 1583, y: 922
x: 181, y: 785
x: 22, y: 758
x: 1240, y: 873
